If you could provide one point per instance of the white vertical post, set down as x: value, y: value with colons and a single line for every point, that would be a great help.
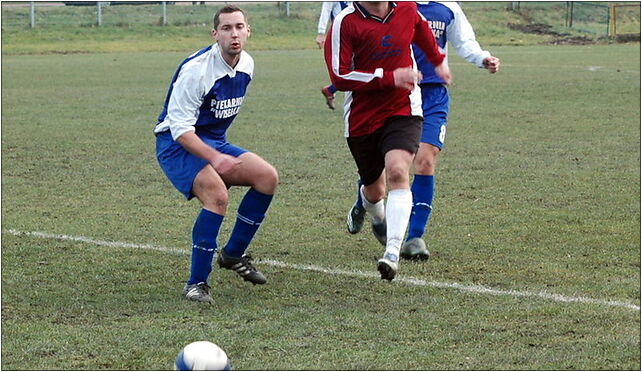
x: 99, y: 13
x: 164, y: 13
x: 32, y: 14
x: 287, y: 8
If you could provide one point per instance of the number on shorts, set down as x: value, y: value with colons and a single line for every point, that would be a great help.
x: 442, y: 134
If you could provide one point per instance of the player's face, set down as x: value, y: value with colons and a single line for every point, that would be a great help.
x: 231, y: 34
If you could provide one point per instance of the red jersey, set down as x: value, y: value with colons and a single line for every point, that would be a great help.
x: 361, y: 53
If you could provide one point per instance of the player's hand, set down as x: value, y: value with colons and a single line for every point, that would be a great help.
x: 443, y: 71
x: 320, y: 40
x: 406, y: 78
x: 225, y: 164
x: 491, y: 64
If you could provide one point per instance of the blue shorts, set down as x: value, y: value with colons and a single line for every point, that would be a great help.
x: 181, y: 166
x: 435, y: 103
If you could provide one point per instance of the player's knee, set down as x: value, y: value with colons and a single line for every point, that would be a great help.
x: 397, y: 175
x: 267, y: 181
x: 426, y: 159
x: 425, y: 164
x: 213, y: 196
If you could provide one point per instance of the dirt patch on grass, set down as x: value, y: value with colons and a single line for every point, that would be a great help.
x: 544, y: 29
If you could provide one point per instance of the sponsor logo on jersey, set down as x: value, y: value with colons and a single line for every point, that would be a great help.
x: 226, y: 108
x: 385, y: 42
x: 438, y: 28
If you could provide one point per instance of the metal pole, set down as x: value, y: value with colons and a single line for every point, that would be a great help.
x: 99, y: 13
x: 164, y: 13
x: 32, y: 14
x: 287, y: 8
x: 614, y: 20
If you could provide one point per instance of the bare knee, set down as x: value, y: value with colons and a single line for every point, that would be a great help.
x: 214, y: 199
x: 426, y: 159
x: 397, y: 175
x: 211, y: 191
x: 267, y: 181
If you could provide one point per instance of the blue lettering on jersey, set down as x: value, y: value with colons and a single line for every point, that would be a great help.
x: 386, y: 43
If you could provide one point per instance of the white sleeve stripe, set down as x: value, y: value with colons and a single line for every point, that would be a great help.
x: 336, y: 54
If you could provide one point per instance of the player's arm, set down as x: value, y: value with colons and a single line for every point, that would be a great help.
x: 222, y: 163
x: 425, y: 40
x: 324, y: 17
x: 182, y: 113
x: 461, y: 36
x: 338, y: 58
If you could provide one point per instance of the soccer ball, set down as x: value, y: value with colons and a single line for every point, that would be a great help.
x: 202, y: 356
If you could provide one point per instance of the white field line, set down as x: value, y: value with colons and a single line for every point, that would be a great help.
x: 474, y: 289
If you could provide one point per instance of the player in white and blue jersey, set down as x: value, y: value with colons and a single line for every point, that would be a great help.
x: 204, y: 97
x: 329, y: 10
x: 449, y: 24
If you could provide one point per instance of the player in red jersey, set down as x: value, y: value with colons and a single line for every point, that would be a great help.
x: 368, y: 54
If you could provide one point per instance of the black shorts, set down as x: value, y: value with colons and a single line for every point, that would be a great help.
x: 369, y: 151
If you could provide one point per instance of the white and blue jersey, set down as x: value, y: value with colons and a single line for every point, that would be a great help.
x: 329, y: 10
x: 449, y: 24
x: 205, y: 94
x: 204, y: 97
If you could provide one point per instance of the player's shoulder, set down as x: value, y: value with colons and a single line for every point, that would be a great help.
x: 195, y: 62
x: 246, y: 63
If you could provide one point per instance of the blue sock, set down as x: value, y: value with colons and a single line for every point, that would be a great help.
x: 251, y: 213
x: 423, y: 190
x: 204, y: 246
x: 359, y: 201
x: 332, y: 88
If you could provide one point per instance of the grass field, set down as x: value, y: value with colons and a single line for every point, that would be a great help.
x: 535, y: 238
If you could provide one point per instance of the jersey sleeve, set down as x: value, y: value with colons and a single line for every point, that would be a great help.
x: 185, y: 101
x: 461, y: 36
x: 338, y: 59
x: 324, y: 17
x: 425, y: 40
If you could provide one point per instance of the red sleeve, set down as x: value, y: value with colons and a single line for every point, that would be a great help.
x: 425, y: 39
x: 338, y: 58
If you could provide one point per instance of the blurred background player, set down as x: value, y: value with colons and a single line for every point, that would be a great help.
x: 368, y: 55
x: 449, y: 24
x: 329, y: 10
x: 204, y: 97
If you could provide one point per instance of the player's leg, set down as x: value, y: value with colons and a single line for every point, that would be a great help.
x: 370, y: 164
x: 357, y: 213
x: 398, y: 207
x: 400, y: 142
x: 192, y: 176
x: 435, y: 108
x: 211, y: 191
x: 372, y: 199
x: 263, y: 180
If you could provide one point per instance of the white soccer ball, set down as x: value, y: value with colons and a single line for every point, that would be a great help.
x: 202, y: 356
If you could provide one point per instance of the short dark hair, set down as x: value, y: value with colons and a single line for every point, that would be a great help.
x: 226, y: 10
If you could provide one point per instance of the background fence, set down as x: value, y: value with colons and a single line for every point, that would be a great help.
x: 594, y: 18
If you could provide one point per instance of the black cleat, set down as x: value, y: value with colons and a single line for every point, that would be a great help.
x: 388, y: 266
x: 243, y: 266
x: 355, y: 218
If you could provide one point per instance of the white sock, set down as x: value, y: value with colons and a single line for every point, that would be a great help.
x: 398, y: 211
x: 377, y: 211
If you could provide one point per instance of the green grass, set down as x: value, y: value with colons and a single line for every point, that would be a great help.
x: 538, y: 189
